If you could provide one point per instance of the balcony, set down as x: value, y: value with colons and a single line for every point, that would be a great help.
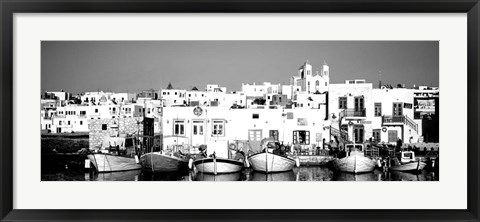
x: 399, y: 120
x: 354, y: 113
x: 393, y: 120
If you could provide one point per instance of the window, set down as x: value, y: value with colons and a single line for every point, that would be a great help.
x: 197, y: 129
x: 96, y: 110
x: 392, y: 136
x: 317, y: 83
x: 376, y: 135
x: 60, y: 123
x: 397, y: 109
x: 301, y: 137
x: 255, y: 116
x: 255, y: 135
x: 83, y: 113
x: 218, y: 128
x: 81, y: 122
x: 179, y: 127
x: 342, y: 102
x: 378, y: 109
x: 104, y: 126
x: 273, y: 134
x: 68, y: 122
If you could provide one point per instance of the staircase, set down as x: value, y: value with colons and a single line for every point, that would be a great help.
x: 341, y: 134
x: 409, y: 122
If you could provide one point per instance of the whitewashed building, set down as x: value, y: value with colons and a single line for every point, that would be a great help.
x: 207, y: 125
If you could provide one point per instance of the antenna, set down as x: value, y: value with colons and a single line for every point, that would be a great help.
x: 379, y: 79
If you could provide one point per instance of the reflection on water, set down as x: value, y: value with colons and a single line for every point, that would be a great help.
x: 283, y: 176
x: 298, y: 174
x: 219, y: 177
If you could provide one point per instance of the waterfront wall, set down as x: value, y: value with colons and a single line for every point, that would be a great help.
x: 101, y: 128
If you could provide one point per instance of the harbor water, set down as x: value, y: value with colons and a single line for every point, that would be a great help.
x: 303, y: 173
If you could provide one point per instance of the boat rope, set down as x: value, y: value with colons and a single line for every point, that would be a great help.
x: 151, y: 160
x: 266, y: 160
x: 355, y: 164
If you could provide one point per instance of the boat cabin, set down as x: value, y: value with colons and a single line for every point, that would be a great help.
x: 407, y: 156
x: 118, y: 145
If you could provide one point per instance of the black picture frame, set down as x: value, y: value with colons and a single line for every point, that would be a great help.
x: 9, y: 7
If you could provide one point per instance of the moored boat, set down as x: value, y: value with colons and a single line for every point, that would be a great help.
x: 355, y: 162
x: 116, y: 154
x: 218, y: 165
x: 105, y: 162
x: 164, y: 162
x: 272, y: 159
x: 407, y: 163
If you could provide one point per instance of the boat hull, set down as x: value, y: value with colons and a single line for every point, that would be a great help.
x: 409, y: 167
x: 158, y: 162
x: 355, y: 163
x: 270, y: 163
x: 111, y: 163
x: 218, y: 165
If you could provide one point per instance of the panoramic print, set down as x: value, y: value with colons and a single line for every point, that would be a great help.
x: 239, y: 111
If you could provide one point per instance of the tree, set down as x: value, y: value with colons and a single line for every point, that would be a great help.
x: 169, y: 86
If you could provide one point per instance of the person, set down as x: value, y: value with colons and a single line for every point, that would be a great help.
x: 333, y: 147
x: 399, y: 145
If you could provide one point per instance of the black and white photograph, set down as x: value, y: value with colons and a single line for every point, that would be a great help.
x: 240, y: 111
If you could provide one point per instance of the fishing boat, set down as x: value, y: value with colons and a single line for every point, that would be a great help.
x: 169, y: 160
x: 218, y: 165
x: 115, y: 154
x: 407, y: 162
x: 355, y: 162
x: 273, y: 158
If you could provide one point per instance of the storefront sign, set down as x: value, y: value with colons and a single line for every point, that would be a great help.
x: 364, y: 122
x: 425, y: 105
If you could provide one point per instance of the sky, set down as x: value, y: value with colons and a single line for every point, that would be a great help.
x: 130, y: 66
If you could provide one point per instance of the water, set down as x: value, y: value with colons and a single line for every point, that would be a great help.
x: 298, y: 174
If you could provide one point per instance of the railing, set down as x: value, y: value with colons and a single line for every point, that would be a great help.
x: 393, y: 119
x: 400, y: 119
x: 341, y: 134
x: 354, y: 112
x: 411, y: 123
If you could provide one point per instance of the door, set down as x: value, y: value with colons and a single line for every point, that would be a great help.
x: 397, y: 109
x: 359, y: 104
x: 358, y: 133
x: 198, y: 136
